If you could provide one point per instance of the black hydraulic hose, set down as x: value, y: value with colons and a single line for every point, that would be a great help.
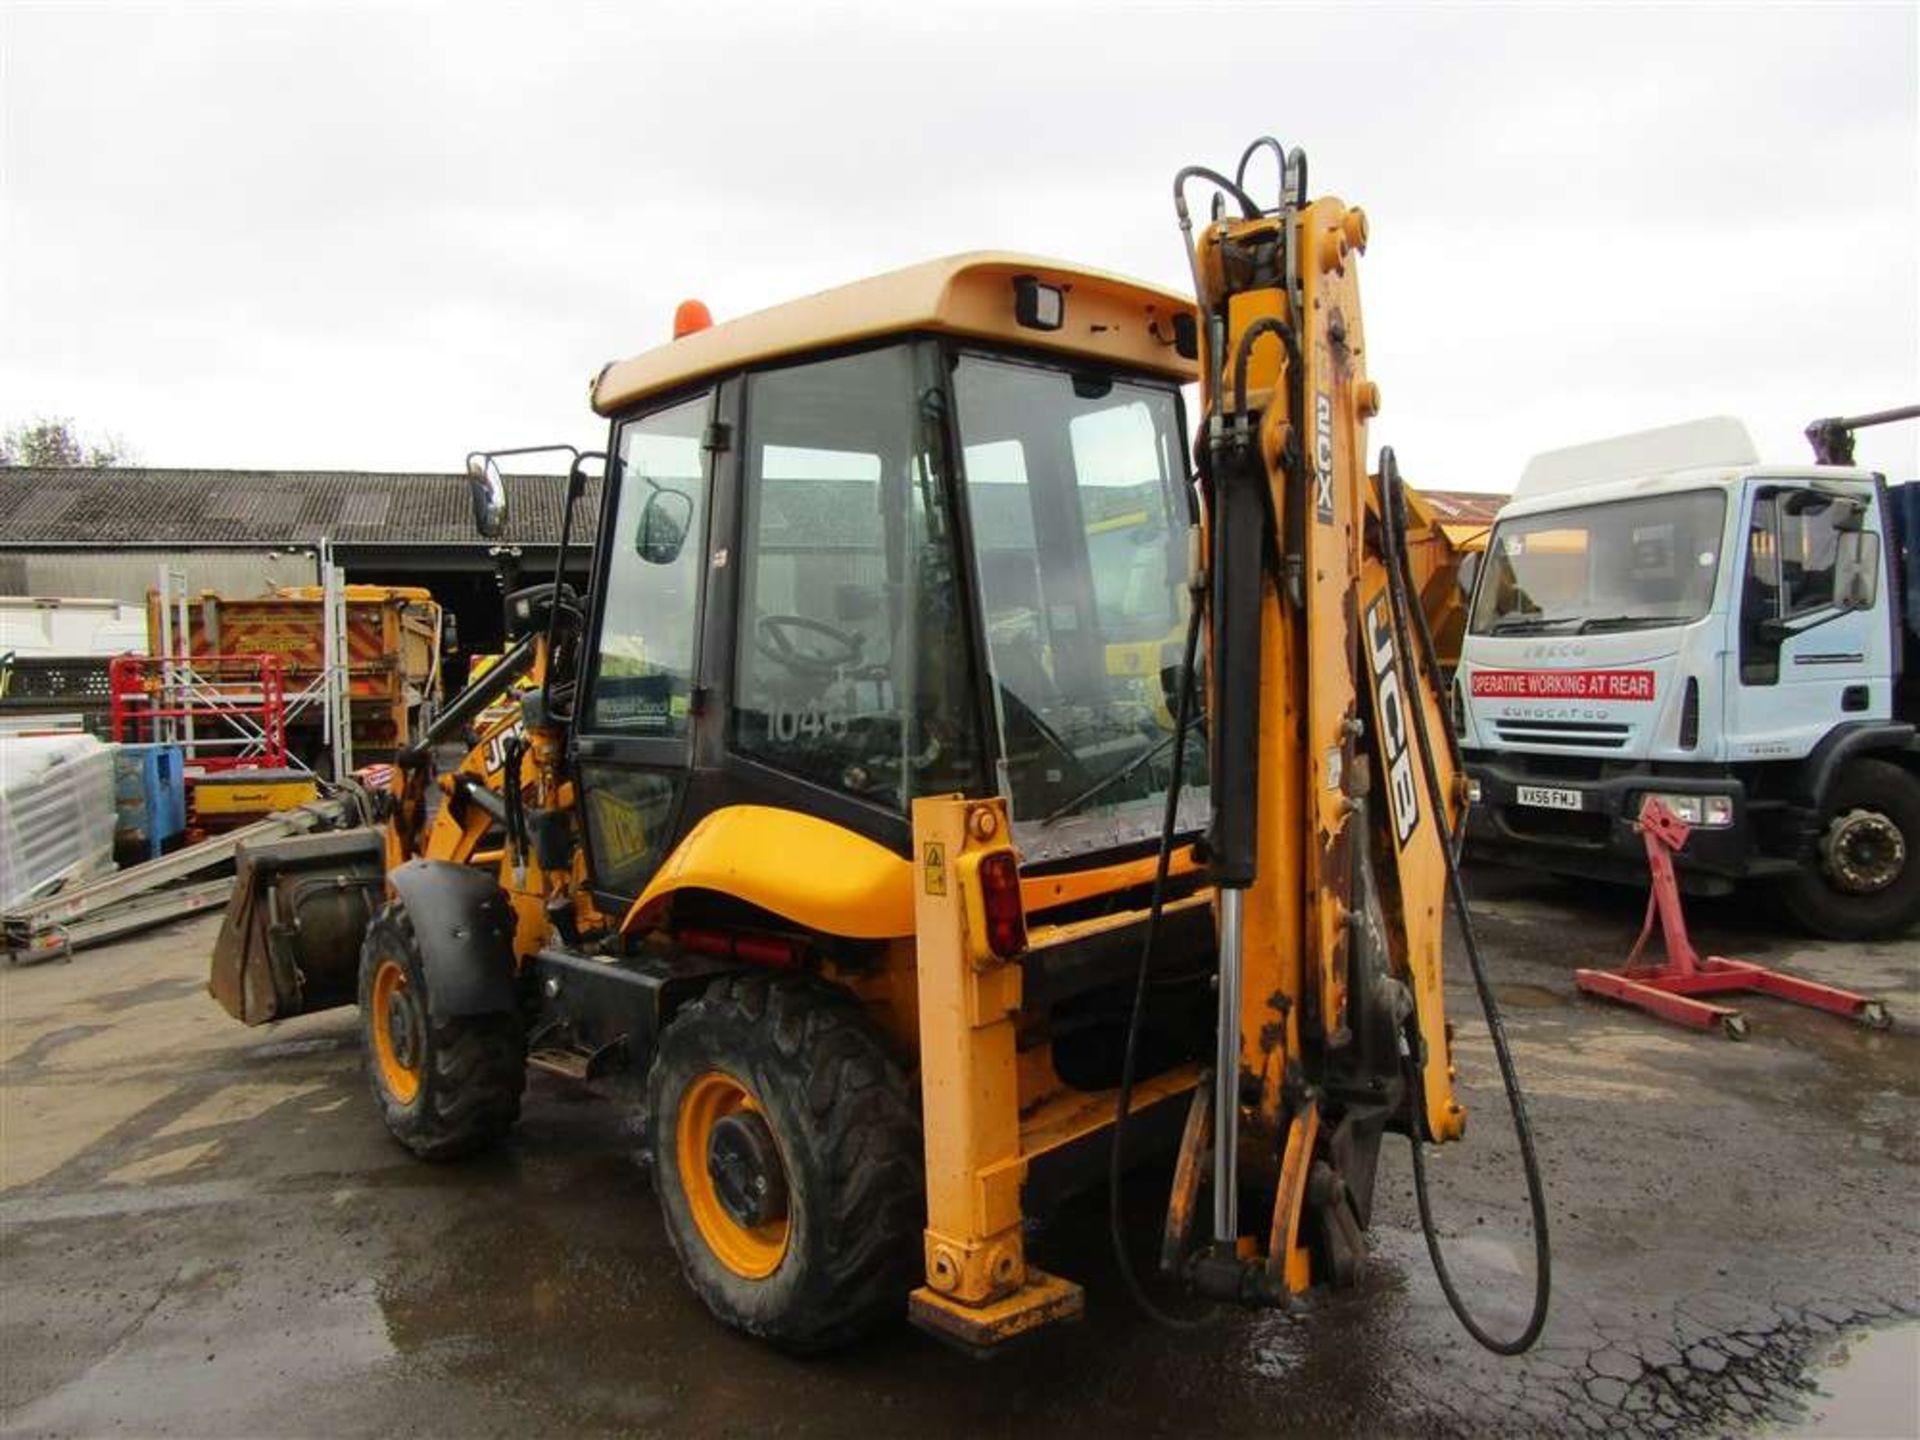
x: 1398, y: 584
x: 1249, y: 207
x: 1243, y: 353
x: 1116, y: 1158
x: 1215, y: 323
x: 1265, y: 142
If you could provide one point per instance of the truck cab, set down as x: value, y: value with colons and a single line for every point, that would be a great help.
x: 1663, y: 614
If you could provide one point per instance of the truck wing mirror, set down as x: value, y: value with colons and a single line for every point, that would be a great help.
x: 489, y: 495
x: 662, y: 532
x: 1856, y: 570
x: 1856, y: 586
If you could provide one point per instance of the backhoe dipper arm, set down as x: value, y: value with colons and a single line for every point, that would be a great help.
x: 1330, y: 867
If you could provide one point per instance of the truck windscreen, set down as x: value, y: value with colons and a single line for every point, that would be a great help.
x: 1623, y: 565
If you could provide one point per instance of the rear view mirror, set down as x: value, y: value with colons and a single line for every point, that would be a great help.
x: 1856, y: 569
x: 489, y: 495
x: 663, y: 526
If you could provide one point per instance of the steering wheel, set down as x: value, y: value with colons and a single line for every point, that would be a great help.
x: 773, y: 638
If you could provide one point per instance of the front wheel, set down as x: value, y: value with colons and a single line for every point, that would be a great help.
x: 1863, y: 880
x: 447, y: 1086
x: 788, y: 1161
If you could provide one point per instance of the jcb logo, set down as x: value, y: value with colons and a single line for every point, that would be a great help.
x: 1323, y: 458
x: 496, y: 754
x: 1390, y: 707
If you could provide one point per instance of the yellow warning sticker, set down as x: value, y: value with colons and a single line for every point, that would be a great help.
x: 934, y: 867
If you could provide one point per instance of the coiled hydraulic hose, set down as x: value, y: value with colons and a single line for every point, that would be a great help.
x: 1399, y: 583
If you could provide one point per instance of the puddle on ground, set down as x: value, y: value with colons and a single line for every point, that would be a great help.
x: 1868, y: 1386
x: 1529, y: 997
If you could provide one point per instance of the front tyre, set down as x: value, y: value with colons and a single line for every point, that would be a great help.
x: 788, y: 1161
x: 1863, y: 881
x: 445, y: 1087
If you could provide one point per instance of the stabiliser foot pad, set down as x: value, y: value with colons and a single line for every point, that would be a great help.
x: 1041, y: 1301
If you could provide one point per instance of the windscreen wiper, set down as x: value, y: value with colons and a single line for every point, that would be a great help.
x: 1526, y: 624
x: 1627, y: 622
x: 1112, y: 778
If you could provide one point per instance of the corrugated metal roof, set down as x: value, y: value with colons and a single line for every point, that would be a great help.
x: 126, y: 505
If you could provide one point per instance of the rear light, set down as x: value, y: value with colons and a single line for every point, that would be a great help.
x: 1000, y: 896
x: 1473, y: 790
x: 773, y: 950
x: 1690, y: 715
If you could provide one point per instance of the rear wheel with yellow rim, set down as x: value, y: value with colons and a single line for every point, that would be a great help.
x: 787, y: 1157
x: 447, y: 1085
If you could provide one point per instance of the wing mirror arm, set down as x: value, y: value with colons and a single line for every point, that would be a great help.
x: 490, y: 519
x: 489, y: 490
x: 1776, y: 631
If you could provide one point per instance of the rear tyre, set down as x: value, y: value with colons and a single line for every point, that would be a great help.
x: 788, y: 1163
x: 1863, y: 880
x: 445, y: 1087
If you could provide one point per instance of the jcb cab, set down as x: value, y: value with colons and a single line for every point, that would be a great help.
x: 833, y: 815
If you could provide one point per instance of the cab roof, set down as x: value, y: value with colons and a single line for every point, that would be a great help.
x: 1107, y: 318
x: 1718, y: 442
x: 1697, y: 455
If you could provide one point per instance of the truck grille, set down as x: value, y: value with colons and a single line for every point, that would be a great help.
x: 1583, y: 734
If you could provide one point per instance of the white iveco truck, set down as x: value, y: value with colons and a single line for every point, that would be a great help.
x: 1662, y: 614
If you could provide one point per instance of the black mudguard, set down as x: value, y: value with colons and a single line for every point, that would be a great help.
x: 1850, y: 740
x: 465, y: 930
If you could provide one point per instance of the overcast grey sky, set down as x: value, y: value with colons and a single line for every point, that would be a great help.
x: 377, y: 236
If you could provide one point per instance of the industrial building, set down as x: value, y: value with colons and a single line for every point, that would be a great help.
x: 109, y: 533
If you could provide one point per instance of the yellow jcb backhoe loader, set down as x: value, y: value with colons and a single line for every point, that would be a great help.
x: 829, y: 819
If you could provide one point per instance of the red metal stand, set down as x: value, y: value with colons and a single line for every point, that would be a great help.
x: 1667, y: 990
x: 229, y: 711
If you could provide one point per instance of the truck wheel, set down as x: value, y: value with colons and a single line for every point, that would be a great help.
x: 788, y: 1161
x: 1864, y: 878
x: 445, y: 1087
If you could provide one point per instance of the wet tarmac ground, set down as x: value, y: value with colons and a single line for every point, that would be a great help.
x: 205, y: 1231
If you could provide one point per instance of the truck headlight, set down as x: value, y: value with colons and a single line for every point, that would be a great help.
x: 1709, y: 812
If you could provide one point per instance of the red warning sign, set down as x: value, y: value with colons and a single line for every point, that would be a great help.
x: 1563, y: 684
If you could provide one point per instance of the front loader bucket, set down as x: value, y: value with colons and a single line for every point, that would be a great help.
x: 290, y: 943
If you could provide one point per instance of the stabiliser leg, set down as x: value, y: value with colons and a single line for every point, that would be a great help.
x: 1672, y: 990
x: 979, y: 1291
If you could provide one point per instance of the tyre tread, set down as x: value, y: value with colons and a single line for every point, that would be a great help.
x: 864, y: 1135
x: 470, y: 1098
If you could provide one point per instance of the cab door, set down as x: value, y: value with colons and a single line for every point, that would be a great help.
x: 635, y: 716
x: 1789, y: 689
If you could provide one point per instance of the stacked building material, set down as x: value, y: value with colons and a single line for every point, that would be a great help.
x: 56, y: 813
